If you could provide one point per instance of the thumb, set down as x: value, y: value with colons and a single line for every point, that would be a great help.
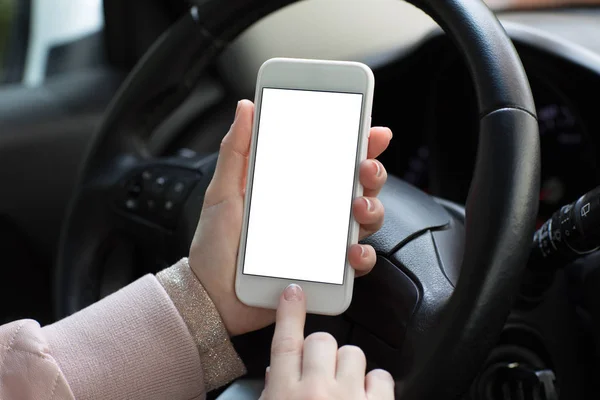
x: 230, y: 174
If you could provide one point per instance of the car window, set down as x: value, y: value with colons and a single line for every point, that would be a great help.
x: 41, y: 39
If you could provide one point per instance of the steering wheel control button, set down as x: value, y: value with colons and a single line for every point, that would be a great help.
x: 159, y: 185
x: 169, y: 205
x: 177, y: 190
x: 146, y: 175
x: 131, y: 204
x: 179, y: 187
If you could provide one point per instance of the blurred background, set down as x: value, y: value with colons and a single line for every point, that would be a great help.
x: 41, y: 38
x: 38, y: 37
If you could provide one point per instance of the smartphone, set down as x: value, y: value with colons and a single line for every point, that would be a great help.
x: 310, y: 134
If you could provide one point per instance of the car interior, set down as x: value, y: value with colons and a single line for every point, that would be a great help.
x: 481, y: 290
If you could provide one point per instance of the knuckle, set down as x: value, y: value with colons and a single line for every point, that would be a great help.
x: 226, y: 140
x: 229, y: 146
x: 321, y: 337
x: 286, y: 345
x: 381, y: 375
x: 369, y: 249
x: 210, y: 191
x: 377, y: 204
x: 353, y: 352
x: 384, y: 176
x: 225, y: 144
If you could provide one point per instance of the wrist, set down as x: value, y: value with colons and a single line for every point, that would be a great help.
x: 220, y: 362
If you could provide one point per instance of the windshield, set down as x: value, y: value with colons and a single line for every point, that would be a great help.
x: 529, y: 4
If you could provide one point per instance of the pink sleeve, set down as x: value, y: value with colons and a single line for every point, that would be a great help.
x: 130, y: 345
x: 27, y: 370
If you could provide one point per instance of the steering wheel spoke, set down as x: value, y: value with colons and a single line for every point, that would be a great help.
x: 132, y: 217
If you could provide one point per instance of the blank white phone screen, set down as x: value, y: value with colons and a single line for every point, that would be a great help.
x: 303, y: 181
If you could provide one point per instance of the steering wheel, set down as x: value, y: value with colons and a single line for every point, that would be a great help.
x: 434, y: 305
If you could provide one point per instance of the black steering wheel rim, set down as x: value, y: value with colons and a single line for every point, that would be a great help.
x: 502, y: 203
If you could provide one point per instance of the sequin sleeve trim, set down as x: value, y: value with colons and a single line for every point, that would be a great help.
x: 220, y: 362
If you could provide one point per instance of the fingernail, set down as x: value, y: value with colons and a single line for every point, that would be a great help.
x: 363, y: 252
x: 267, y: 374
x: 391, y: 134
x: 369, y: 203
x: 237, y: 109
x: 378, y: 166
x: 293, y: 293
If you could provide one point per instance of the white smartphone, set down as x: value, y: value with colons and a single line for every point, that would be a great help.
x: 309, y: 136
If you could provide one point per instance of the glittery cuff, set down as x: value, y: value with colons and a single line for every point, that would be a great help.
x: 220, y: 362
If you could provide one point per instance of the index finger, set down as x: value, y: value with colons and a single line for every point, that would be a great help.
x: 288, y: 339
x: 379, y: 140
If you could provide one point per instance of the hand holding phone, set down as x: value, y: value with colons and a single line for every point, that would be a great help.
x: 214, y: 249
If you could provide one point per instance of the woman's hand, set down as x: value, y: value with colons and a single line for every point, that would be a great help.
x: 314, y: 368
x: 215, y: 246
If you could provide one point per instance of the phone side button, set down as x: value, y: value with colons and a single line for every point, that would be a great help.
x: 365, y: 146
